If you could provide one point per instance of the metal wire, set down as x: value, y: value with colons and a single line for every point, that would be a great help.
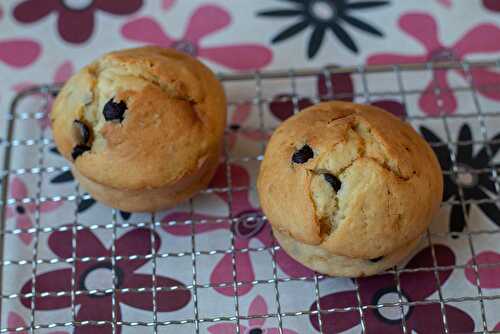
x: 194, y: 270
x: 153, y: 272
x: 234, y: 268
x: 399, y: 80
x: 258, y: 100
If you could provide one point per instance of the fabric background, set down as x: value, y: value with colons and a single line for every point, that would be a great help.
x: 46, y: 41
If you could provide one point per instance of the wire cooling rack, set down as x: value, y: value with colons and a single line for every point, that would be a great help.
x: 26, y: 154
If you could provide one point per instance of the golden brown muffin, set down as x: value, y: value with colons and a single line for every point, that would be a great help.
x: 142, y: 127
x: 350, y: 179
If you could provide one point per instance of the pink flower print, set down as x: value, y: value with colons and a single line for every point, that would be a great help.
x: 23, y: 212
x: 62, y: 74
x: 238, y: 118
x: 14, y: 320
x: 19, y: 52
x: 422, y: 27
x: 488, y: 270
x: 205, y: 21
x: 415, y: 286
x: 258, y: 307
x: 89, y: 275
x: 445, y: 3
x: 167, y: 4
x: 244, y: 229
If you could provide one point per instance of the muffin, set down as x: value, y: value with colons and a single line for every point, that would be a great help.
x: 349, y: 189
x: 141, y: 127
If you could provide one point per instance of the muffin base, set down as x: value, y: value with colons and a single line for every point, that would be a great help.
x: 150, y: 199
x: 322, y: 261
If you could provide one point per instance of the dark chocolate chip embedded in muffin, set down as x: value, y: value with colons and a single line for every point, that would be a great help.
x: 81, y: 132
x: 333, y: 180
x: 301, y: 156
x: 114, y: 111
x: 79, y: 150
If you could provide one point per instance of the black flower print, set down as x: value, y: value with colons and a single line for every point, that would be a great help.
x: 85, y: 203
x: 323, y: 16
x: 472, y: 175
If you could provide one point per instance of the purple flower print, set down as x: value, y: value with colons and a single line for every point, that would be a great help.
x: 492, y: 5
x: 75, y: 18
x: 415, y: 286
x: 282, y: 106
x: 97, y: 307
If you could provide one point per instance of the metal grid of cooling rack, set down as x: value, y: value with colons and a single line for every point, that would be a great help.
x: 9, y: 142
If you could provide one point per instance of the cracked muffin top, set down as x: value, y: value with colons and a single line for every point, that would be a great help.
x: 352, y: 179
x: 140, y: 118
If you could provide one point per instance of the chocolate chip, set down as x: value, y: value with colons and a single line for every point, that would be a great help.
x: 79, y: 150
x: 376, y: 259
x: 301, y: 156
x: 333, y: 180
x: 114, y: 111
x: 81, y: 132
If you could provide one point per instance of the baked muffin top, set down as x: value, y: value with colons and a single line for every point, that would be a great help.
x: 140, y: 118
x: 350, y: 178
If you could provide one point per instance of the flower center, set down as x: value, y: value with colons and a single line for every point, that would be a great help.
x: 322, y: 10
x: 442, y: 54
x: 255, y: 331
x: 465, y: 177
x: 186, y: 47
x: 20, y: 209
x: 248, y: 225
x: 77, y: 4
x: 391, y: 314
x: 100, y: 277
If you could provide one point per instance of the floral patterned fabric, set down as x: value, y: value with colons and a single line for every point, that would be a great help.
x: 414, y: 286
x: 136, y: 243
x: 214, y: 258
